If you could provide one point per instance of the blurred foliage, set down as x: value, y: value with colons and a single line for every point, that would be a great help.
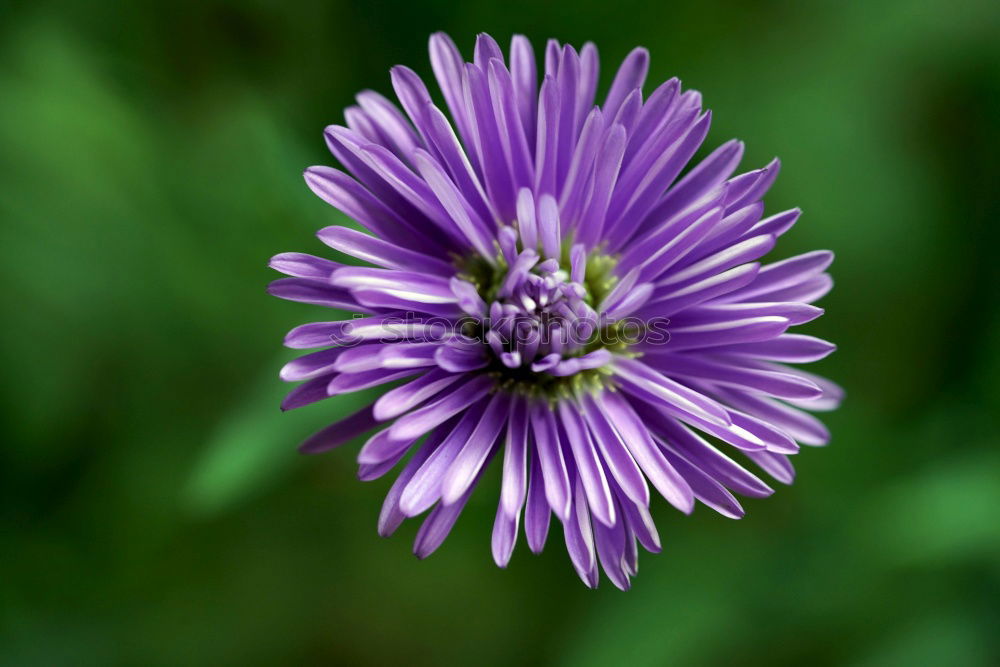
x: 154, y: 508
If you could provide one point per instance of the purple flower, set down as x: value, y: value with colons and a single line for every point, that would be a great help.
x: 542, y: 285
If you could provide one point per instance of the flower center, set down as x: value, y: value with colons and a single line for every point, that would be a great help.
x: 541, y: 320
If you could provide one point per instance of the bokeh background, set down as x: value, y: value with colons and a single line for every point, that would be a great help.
x: 155, y: 511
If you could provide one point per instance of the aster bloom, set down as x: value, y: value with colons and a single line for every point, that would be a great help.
x: 540, y: 284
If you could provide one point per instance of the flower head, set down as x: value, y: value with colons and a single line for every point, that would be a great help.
x: 543, y: 285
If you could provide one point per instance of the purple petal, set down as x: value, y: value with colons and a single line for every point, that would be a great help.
x: 611, y: 547
x: 552, y: 49
x: 550, y: 456
x: 568, y: 79
x: 414, y: 96
x: 807, y: 291
x: 307, y: 393
x: 340, y: 432
x: 460, y: 167
x: 789, y: 348
x: 710, y: 172
x: 360, y: 358
x: 360, y: 122
x: 382, y: 447
x: 576, y: 439
x: 605, y: 176
x: 632, y: 302
x: 515, y: 463
x: 655, y: 113
x: 409, y: 300
x: 486, y: 134
x: 317, y: 293
x: 455, y: 400
x: 657, y: 176
x: 624, y: 286
x: 457, y: 357
x: 371, y: 472
x: 486, y: 49
x: 706, y: 489
x: 410, y: 285
x: 301, y: 265
x: 581, y: 168
x: 392, y: 125
x: 734, y: 255
x: 512, y: 136
x: 649, y: 458
x: 641, y: 380
x: 800, y: 425
x: 654, y: 159
x: 739, y: 185
x: 462, y: 217
x: 382, y: 253
x: 425, y: 488
x: 391, y: 516
x: 615, y: 455
x: 409, y: 355
x: 548, y: 226
x: 589, y: 67
x: 525, y: 78
x: 574, y: 365
x: 408, y: 185
x: 749, y: 330
x: 732, y: 231
x: 348, y: 382
x: 353, y: 200
x: 731, y: 373
x: 628, y: 114
x: 776, y: 465
x: 547, y: 137
x: 536, y: 512
x: 832, y: 394
x: 470, y: 459
x: 711, y: 287
x: 448, y: 66
x: 734, y: 433
x: 631, y: 75
x: 795, y: 313
x: 394, y: 356
x: 669, y: 243
x: 786, y: 273
x: 776, y: 225
x: 311, y: 365
x: 403, y: 399
x: 504, y: 536
x: 437, y: 525
x: 526, y: 220
x: 774, y: 438
x: 382, y: 328
x: 640, y: 523
x: 681, y: 441
x: 756, y: 189
x: 630, y: 555
x: 395, y: 184
x: 580, y: 537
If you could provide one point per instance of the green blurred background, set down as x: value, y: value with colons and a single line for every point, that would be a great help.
x: 155, y: 511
